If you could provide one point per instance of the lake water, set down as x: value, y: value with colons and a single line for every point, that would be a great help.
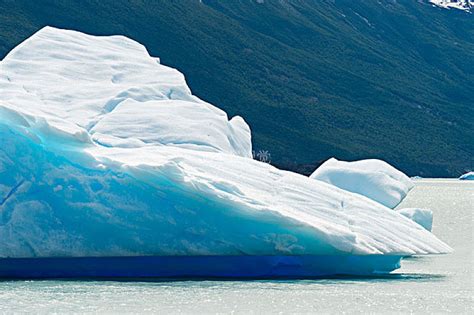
x: 424, y: 284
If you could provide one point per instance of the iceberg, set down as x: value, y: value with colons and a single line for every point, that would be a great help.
x: 109, y: 166
x: 423, y: 217
x: 372, y: 178
x: 467, y: 176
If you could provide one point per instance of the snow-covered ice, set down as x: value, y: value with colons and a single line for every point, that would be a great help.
x: 105, y: 152
x: 467, y: 176
x: 108, y: 90
x: 372, y: 178
x: 423, y: 217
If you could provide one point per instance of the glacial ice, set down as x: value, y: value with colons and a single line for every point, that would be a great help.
x: 105, y: 152
x: 423, y: 217
x: 108, y: 90
x: 372, y: 178
x: 467, y: 176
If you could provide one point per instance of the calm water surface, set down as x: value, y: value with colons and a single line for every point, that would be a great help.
x: 424, y: 284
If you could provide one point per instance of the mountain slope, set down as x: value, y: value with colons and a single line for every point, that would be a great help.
x: 314, y: 79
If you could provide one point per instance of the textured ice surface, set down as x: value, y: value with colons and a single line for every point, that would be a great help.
x: 423, y: 217
x: 467, y: 176
x: 372, y: 178
x: 110, y: 91
x: 105, y: 152
x: 423, y: 285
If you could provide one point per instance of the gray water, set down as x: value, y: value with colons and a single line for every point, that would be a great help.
x: 438, y: 284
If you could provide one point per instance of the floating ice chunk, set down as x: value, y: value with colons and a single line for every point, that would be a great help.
x: 423, y: 217
x: 372, y: 178
x: 467, y: 176
x: 106, y: 153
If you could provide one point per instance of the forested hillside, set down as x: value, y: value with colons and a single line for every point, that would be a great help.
x: 314, y: 79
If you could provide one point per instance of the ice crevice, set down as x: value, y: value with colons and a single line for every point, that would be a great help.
x: 11, y: 192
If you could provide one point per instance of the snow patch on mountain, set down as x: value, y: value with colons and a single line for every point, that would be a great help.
x: 465, y: 5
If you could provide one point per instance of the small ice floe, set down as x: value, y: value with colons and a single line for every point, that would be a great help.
x: 423, y: 217
x: 467, y: 176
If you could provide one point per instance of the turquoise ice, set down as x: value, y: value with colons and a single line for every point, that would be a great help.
x: 106, y: 153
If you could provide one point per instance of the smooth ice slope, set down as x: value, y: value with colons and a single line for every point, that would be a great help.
x: 372, y: 178
x: 423, y: 217
x: 104, y: 152
x: 467, y: 176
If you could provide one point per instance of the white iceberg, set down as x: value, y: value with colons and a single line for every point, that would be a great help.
x: 372, y: 178
x: 423, y: 217
x: 106, y: 153
x: 467, y: 176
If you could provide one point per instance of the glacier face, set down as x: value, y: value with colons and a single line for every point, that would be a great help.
x: 105, y: 152
x: 372, y: 178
